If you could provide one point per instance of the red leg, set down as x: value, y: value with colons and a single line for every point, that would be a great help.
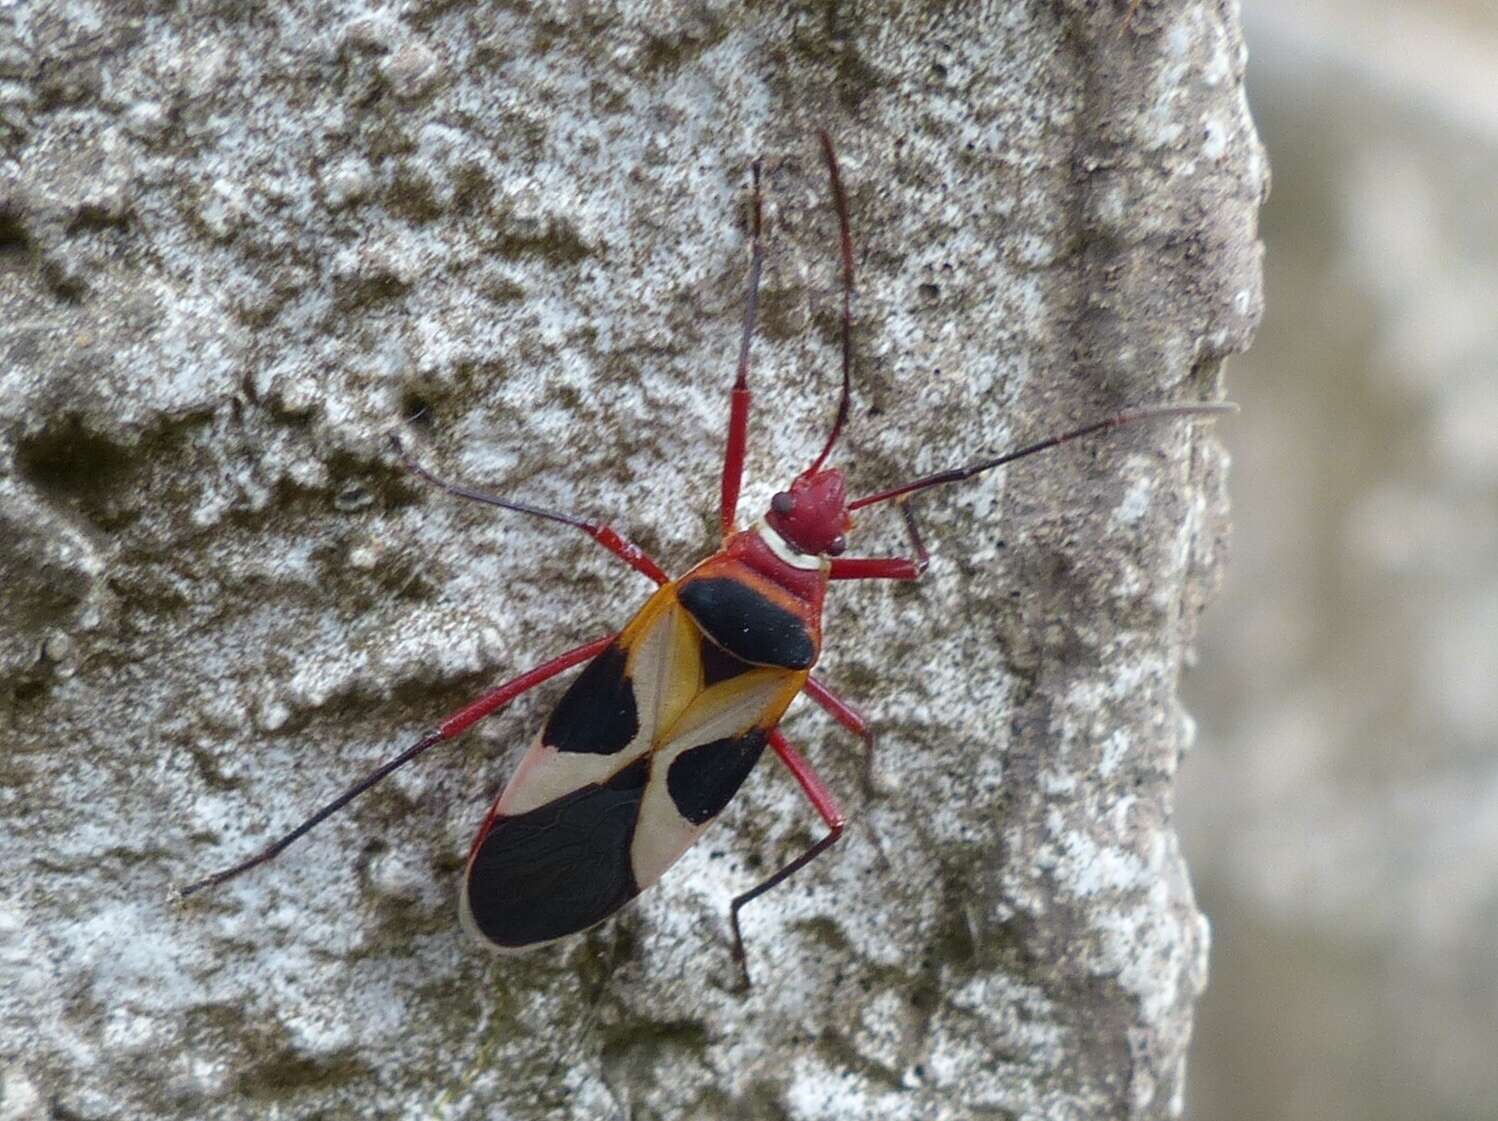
x: 826, y: 806
x: 627, y: 551
x: 853, y: 720
x: 453, y: 725
x: 887, y: 568
x: 873, y: 568
x: 849, y: 717
x: 738, y: 407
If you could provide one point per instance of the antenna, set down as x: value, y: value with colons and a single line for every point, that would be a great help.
x: 1130, y: 416
x: 840, y: 200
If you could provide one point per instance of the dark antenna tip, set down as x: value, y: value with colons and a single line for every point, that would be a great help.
x: 840, y: 201
x: 180, y: 893
x: 1118, y: 420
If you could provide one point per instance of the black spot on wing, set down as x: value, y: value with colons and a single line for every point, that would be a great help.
x: 703, y: 779
x: 746, y: 624
x: 561, y: 867
x: 597, y: 713
x: 718, y: 664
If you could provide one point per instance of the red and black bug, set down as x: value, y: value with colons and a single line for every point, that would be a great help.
x: 645, y: 749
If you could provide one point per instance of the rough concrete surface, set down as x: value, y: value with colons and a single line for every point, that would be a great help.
x: 239, y: 245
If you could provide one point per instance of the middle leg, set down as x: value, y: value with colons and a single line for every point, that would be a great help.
x: 887, y: 568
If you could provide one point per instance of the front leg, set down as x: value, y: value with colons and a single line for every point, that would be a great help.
x: 887, y: 568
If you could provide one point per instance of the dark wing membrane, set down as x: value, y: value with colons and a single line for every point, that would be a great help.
x: 597, y: 714
x: 559, y: 868
x: 703, y: 779
x: 718, y: 664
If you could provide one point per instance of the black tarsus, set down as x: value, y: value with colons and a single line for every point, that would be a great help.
x: 483, y: 496
x: 271, y: 851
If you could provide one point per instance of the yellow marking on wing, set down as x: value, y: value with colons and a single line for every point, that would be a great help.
x: 665, y: 668
x: 546, y: 774
x: 731, y: 707
x: 681, y: 673
x: 664, y: 665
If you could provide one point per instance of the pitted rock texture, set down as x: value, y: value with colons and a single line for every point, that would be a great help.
x: 240, y: 247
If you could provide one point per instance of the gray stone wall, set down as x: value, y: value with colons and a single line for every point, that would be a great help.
x: 239, y: 245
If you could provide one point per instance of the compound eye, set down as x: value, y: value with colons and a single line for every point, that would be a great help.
x: 836, y: 546
x: 783, y: 503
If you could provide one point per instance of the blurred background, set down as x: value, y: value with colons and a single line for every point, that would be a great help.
x: 1341, y: 807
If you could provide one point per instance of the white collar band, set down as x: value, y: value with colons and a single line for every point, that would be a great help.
x: 782, y: 549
